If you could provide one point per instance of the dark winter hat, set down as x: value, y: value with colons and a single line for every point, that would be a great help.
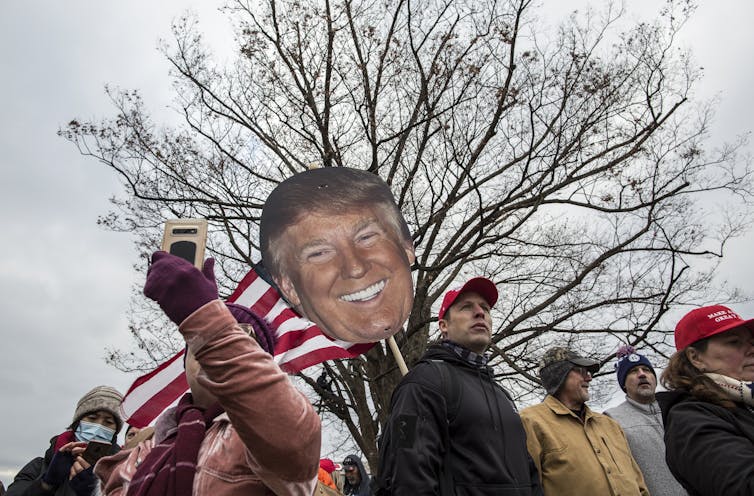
x: 100, y: 398
x: 262, y: 331
x: 628, y: 359
x: 557, y: 362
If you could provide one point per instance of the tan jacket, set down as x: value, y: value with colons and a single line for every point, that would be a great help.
x: 589, y: 458
x: 268, y: 441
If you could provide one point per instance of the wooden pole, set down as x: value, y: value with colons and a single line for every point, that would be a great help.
x: 397, y: 354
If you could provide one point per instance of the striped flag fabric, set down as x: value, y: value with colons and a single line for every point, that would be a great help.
x: 301, y: 344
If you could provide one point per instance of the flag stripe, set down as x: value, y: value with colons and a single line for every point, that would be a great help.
x: 152, y: 393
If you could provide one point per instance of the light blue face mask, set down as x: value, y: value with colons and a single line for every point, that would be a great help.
x: 89, y: 431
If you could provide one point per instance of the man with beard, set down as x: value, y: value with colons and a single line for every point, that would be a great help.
x: 577, y: 450
x: 357, y: 479
x: 641, y: 420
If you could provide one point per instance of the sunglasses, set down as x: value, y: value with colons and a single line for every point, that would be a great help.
x: 583, y: 371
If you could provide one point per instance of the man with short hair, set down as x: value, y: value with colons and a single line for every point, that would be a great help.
x: 452, y: 428
x: 577, y: 451
x: 641, y: 420
x: 337, y: 246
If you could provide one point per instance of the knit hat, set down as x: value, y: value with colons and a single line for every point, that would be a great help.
x: 557, y: 362
x: 100, y: 398
x: 480, y: 285
x: 705, y: 322
x: 628, y: 359
x: 262, y: 331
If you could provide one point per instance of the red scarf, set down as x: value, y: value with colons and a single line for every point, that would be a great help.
x: 170, y: 467
x: 63, y: 439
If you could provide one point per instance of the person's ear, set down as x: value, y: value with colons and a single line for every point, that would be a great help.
x: 410, y: 253
x: 288, y: 289
x: 443, y: 328
x: 695, y: 358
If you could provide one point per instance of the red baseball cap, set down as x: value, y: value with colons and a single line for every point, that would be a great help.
x: 480, y: 285
x: 704, y: 322
x: 327, y: 465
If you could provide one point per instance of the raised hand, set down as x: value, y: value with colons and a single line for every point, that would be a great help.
x: 179, y: 287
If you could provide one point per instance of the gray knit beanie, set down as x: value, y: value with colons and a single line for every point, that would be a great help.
x: 100, y: 398
x: 557, y: 362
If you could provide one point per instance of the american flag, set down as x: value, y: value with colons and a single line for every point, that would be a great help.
x: 301, y: 344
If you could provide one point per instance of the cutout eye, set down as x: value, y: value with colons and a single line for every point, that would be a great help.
x: 367, y: 238
x: 318, y: 255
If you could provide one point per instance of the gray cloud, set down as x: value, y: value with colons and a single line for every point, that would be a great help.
x: 65, y: 282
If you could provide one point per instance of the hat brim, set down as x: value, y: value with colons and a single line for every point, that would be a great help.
x: 591, y: 365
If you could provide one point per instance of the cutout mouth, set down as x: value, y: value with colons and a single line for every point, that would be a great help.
x: 366, y: 293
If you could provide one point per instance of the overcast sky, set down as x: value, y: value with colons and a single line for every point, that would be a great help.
x: 65, y: 282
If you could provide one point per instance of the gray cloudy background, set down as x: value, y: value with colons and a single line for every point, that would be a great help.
x: 65, y: 282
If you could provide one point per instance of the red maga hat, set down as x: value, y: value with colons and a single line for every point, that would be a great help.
x: 480, y: 285
x: 327, y: 465
x: 705, y: 322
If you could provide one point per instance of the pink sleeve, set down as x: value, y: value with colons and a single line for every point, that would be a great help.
x: 116, y: 471
x: 277, y: 424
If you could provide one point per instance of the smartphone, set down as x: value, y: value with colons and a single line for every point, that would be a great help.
x: 96, y: 450
x: 186, y: 238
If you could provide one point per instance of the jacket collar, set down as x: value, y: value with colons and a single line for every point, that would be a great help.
x: 559, y: 408
x: 648, y: 409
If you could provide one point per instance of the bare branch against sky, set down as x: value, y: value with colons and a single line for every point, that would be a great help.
x: 66, y: 282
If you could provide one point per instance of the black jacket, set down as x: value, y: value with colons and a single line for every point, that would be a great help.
x: 28, y: 480
x: 709, y: 448
x: 473, y: 418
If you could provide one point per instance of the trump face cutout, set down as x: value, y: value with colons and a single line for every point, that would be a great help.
x: 339, y: 250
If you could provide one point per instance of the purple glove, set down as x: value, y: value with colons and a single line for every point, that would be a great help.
x: 59, y: 469
x: 178, y: 287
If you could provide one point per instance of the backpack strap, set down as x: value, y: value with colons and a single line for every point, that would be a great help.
x: 451, y: 391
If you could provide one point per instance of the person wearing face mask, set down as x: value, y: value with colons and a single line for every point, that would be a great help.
x: 708, y: 409
x: 62, y: 471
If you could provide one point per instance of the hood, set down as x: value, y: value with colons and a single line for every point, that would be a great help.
x: 360, y: 466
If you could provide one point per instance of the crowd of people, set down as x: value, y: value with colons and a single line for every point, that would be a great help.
x: 244, y: 429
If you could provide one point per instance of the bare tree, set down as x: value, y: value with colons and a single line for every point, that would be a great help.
x: 572, y: 169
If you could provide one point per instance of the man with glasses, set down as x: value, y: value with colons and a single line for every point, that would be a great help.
x: 577, y: 451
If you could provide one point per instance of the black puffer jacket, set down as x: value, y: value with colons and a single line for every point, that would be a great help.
x: 28, y: 481
x: 477, y: 423
x: 709, y: 448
